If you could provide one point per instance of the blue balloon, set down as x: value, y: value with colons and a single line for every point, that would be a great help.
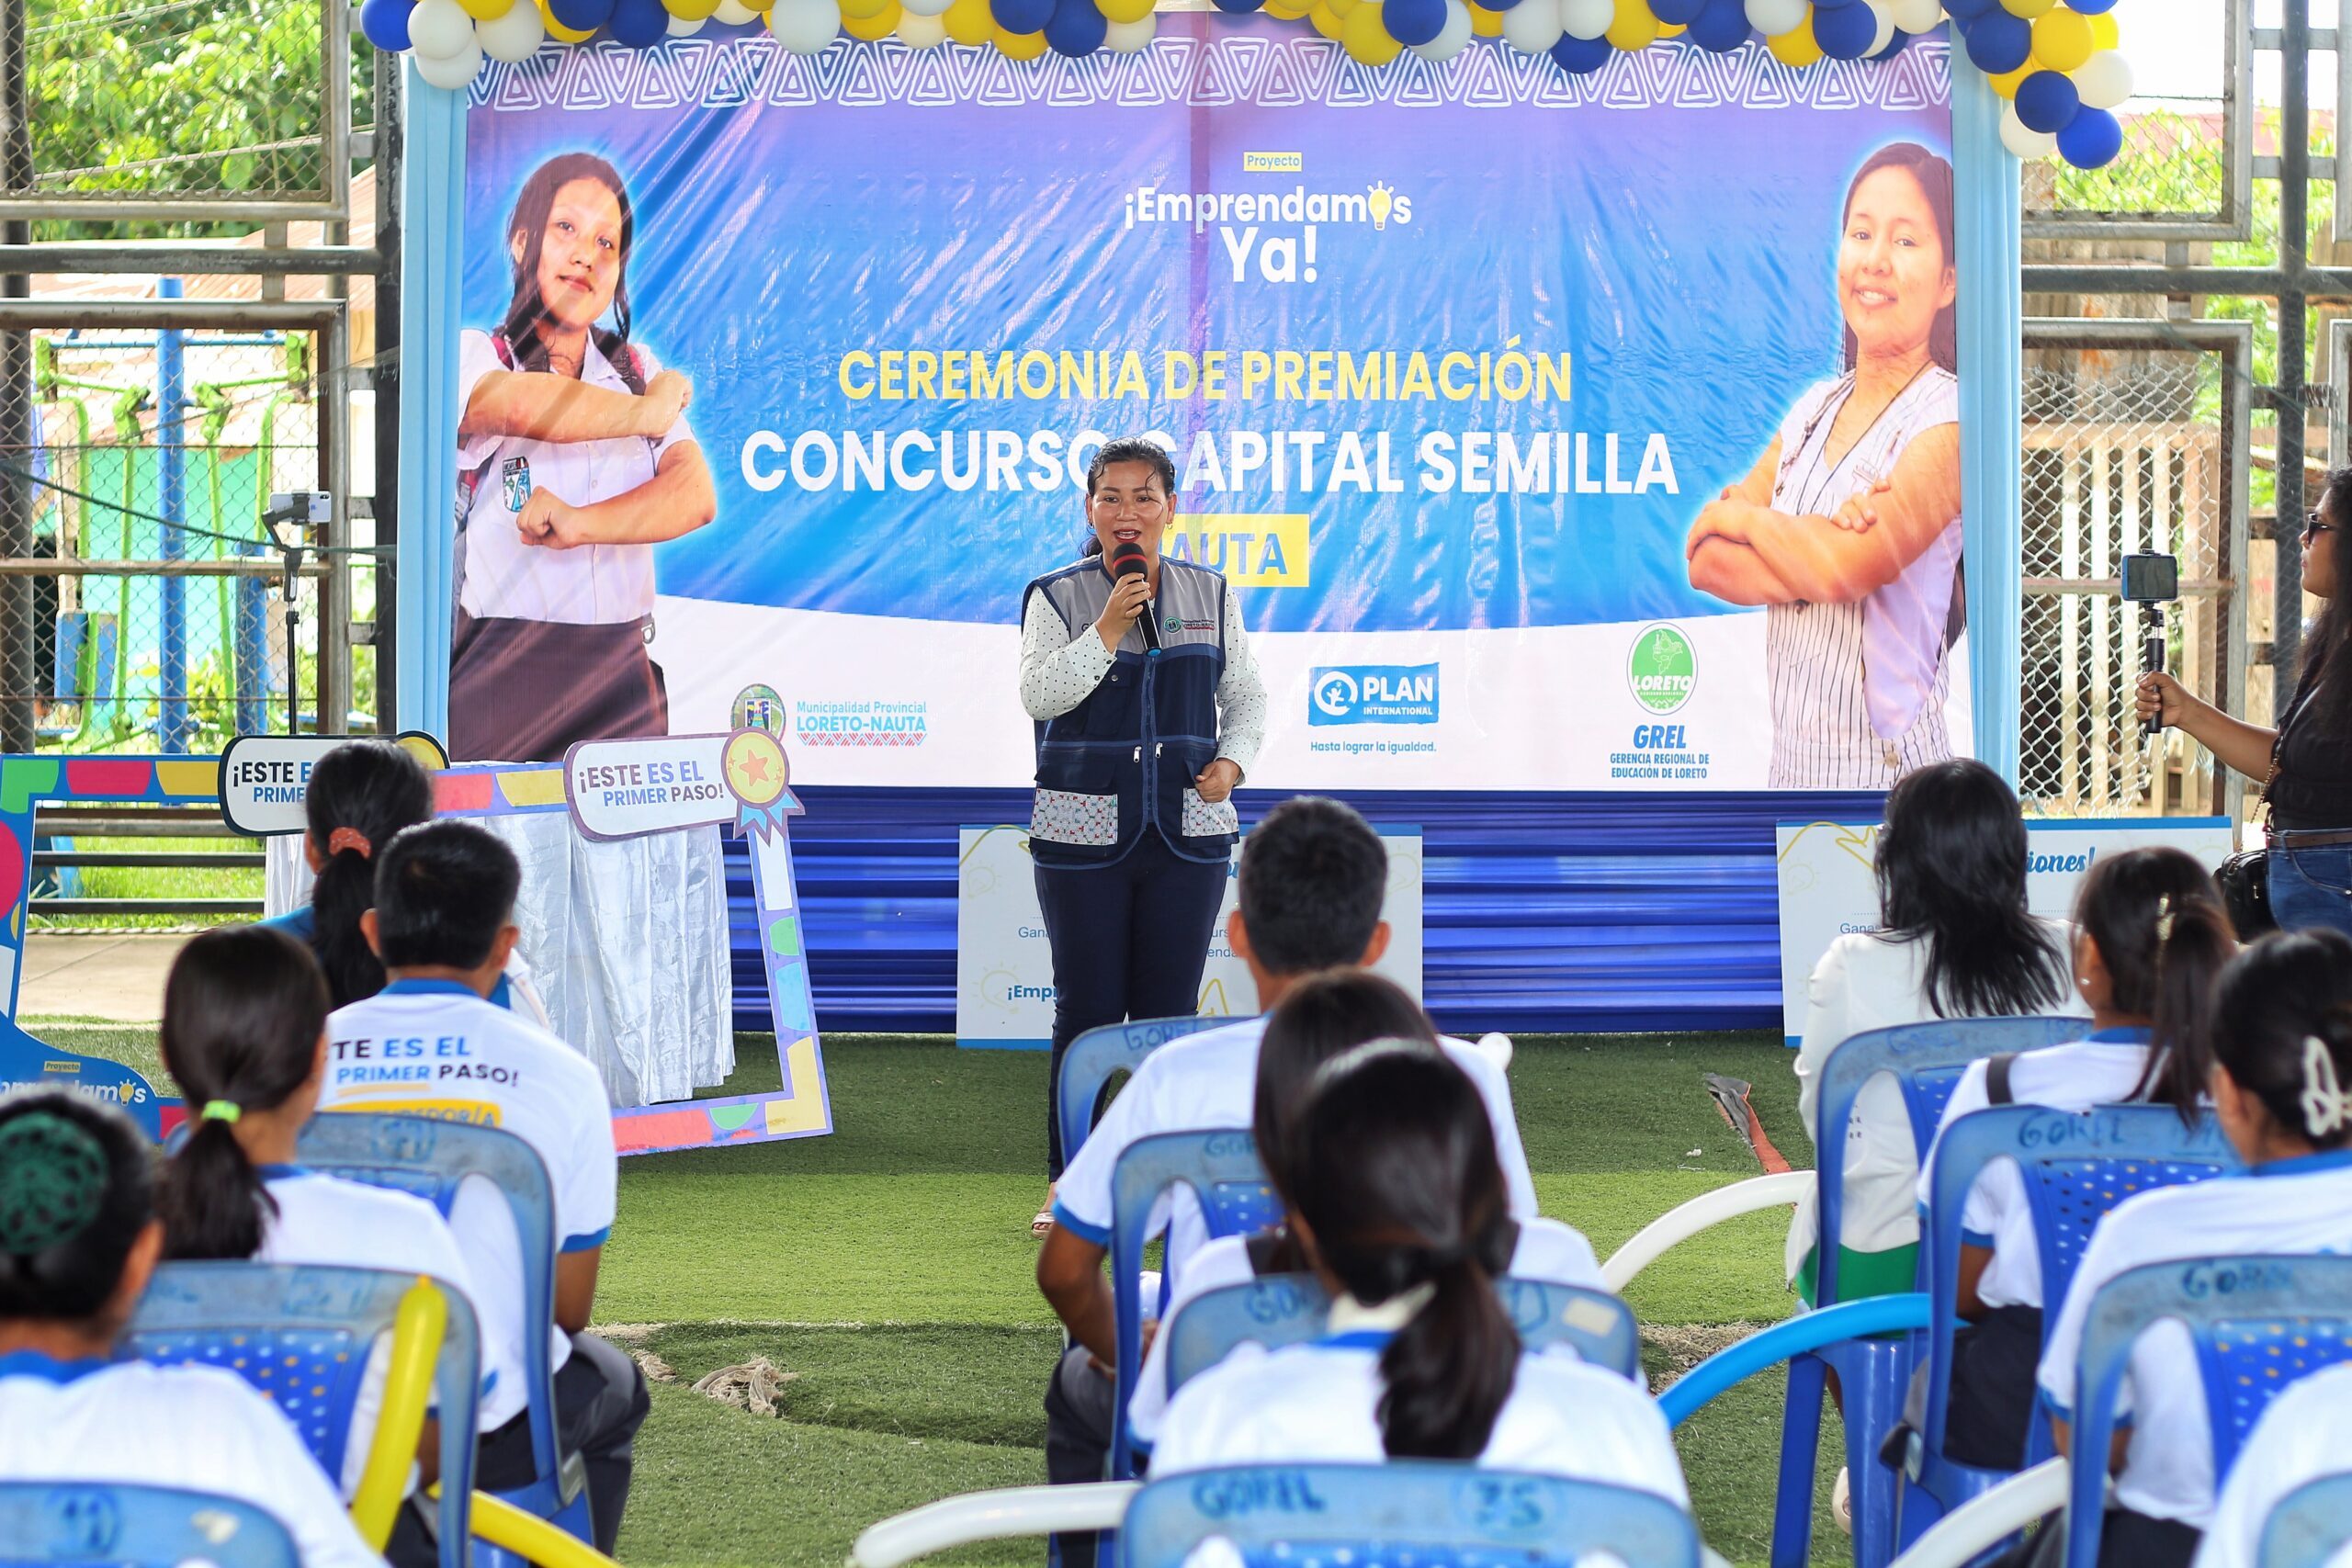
x: 1581, y: 56
x: 1502, y: 5
x: 2091, y: 7
x: 2046, y: 101
x: 1893, y: 45
x: 386, y: 24
x: 2091, y: 139
x: 1017, y: 16
x: 640, y: 24
x: 1721, y: 26
x: 581, y: 16
x: 1967, y: 11
x: 1678, y: 13
x: 1412, y: 21
x: 1844, y: 32
x: 1076, y: 28
x: 1832, y: 6
x: 1999, y: 42
x: 1240, y: 7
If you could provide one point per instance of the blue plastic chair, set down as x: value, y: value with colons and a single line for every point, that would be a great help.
x: 1425, y: 1513
x: 1276, y: 1310
x: 2076, y: 1167
x: 2258, y: 1322
x: 303, y: 1336
x: 431, y: 1159
x: 1222, y: 1169
x: 2309, y: 1526
x: 1926, y: 1061
x: 46, y: 1522
x: 1099, y: 1054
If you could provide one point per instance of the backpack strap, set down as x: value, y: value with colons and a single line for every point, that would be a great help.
x: 1996, y: 1079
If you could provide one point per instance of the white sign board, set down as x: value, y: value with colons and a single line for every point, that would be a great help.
x: 619, y: 789
x: 1004, y: 968
x: 1827, y: 887
x: 264, y: 777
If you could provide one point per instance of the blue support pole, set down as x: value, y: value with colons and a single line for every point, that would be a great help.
x: 172, y: 727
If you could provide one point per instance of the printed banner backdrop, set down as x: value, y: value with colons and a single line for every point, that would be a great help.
x: 1451, y: 359
x: 1827, y: 888
x: 1005, y: 970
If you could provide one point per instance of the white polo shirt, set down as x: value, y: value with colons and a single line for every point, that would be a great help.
x: 1208, y: 1082
x: 2305, y: 1434
x: 434, y: 1048
x: 2288, y: 1206
x: 2102, y: 1069
x: 589, y: 584
x: 326, y: 1222
x: 1547, y: 1250
x: 200, y: 1429
x: 1319, y: 1403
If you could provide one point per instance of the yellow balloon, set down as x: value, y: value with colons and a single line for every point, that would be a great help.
x: 690, y: 10
x: 874, y: 28
x: 1019, y: 46
x: 558, y: 32
x: 1124, y: 10
x: 2028, y: 9
x: 1672, y: 29
x: 2006, y: 83
x: 969, y: 22
x: 2062, y: 40
x: 1327, y: 22
x: 866, y: 10
x: 1341, y: 8
x: 1365, y: 38
x: 2105, y: 34
x: 1635, y: 26
x: 1796, y: 47
x: 1485, y: 23
x: 488, y: 10
x: 1288, y: 10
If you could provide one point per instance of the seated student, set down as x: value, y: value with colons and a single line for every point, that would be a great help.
x: 245, y: 1038
x: 2280, y: 1031
x: 1312, y: 877
x: 2151, y: 936
x: 1400, y: 1210
x: 429, y: 1044
x: 1954, y: 941
x: 1319, y: 1019
x: 358, y: 795
x: 2305, y: 1434
x: 78, y: 1240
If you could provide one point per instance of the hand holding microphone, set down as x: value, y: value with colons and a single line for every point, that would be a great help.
x: 1130, y: 600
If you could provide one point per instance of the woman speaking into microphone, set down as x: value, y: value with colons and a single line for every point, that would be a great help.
x: 1148, y: 710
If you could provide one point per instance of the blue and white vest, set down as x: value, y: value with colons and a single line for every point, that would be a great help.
x: 1123, y: 760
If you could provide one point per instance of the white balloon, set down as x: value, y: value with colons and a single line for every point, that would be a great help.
x: 1587, y: 18
x: 803, y: 26
x: 2104, y: 80
x: 1773, y: 18
x: 919, y: 31
x: 2022, y: 140
x: 926, y: 8
x: 1127, y: 38
x: 1917, y: 16
x: 733, y: 15
x: 441, y: 28
x: 1532, y: 26
x: 1883, y: 34
x: 679, y: 26
x: 451, y: 72
x: 1453, y: 37
x: 515, y: 36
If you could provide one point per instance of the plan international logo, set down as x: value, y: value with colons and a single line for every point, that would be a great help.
x: 1372, y: 694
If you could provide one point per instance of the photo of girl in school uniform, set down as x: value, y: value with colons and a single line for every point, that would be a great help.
x: 574, y: 459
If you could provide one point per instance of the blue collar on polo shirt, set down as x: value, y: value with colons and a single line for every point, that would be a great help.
x: 417, y: 987
x: 280, y: 1172
x: 40, y: 1364
x: 1359, y: 1339
x: 2128, y: 1035
x: 2304, y: 1165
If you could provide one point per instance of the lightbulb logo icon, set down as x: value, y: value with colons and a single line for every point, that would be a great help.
x: 1381, y: 199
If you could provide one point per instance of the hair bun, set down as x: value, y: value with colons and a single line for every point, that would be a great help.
x: 52, y: 1182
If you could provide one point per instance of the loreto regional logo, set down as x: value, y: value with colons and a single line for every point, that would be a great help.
x: 1664, y: 670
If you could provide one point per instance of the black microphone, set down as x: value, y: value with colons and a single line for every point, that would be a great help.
x: 1127, y: 561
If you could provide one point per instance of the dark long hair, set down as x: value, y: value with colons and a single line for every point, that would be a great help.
x: 2163, y: 934
x: 2327, y: 649
x: 243, y: 1013
x: 1951, y: 867
x: 1316, y: 1019
x: 75, y: 1191
x: 374, y: 789
x: 1934, y: 177
x: 1393, y: 1159
x: 2273, y: 999
x: 525, y: 310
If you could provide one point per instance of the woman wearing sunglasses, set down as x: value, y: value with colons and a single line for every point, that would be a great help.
x: 2306, y: 763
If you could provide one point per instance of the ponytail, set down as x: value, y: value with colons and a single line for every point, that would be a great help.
x: 2281, y: 1024
x: 1449, y: 1367
x: 359, y: 794
x: 244, y: 1013
x: 2165, y: 935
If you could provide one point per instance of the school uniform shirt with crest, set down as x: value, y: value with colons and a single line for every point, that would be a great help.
x: 198, y: 1429
x: 2289, y: 1206
x: 504, y: 576
x: 1208, y: 1082
x: 435, y: 1048
x: 2306, y: 1434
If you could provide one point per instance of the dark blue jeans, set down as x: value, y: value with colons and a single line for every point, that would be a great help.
x: 2311, y: 888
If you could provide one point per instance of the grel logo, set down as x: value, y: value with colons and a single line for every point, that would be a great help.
x: 1372, y: 694
x: 1663, y: 669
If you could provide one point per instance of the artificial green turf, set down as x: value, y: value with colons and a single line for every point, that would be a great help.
x: 889, y: 1267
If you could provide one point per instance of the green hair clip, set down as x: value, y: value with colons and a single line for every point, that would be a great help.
x: 52, y: 1182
